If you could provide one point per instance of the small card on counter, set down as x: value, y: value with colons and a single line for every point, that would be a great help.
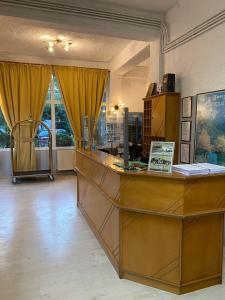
x: 161, y: 157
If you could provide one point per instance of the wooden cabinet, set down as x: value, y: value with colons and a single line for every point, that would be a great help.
x: 161, y: 120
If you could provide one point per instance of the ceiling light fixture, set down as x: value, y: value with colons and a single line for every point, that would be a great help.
x: 63, y: 43
x: 66, y: 45
x: 51, y: 46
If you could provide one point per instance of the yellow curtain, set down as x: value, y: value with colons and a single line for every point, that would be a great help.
x: 23, y: 89
x: 82, y: 90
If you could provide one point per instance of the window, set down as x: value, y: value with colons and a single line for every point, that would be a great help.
x: 54, y: 116
x: 4, y: 132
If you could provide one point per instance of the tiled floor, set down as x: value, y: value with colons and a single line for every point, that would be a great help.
x: 47, y: 250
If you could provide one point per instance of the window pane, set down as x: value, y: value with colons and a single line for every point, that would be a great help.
x: 64, y: 133
x: 57, y: 94
x: 4, y: 132
x: 42, y: 132
x: 49, y: 93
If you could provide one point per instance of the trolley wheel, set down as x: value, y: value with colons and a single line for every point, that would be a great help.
x: 51, y: 177
x: 14, y: 181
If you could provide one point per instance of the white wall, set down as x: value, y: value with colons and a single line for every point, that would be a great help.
x: 186, y: 15
x: 42, y: 161
x: 133, y: 91
x: 128, y: 90
x: 5, y: 162
x: 199, y: 64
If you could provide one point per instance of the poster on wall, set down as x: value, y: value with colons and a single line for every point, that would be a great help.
x: 210, y: 128
x: 161, y: 157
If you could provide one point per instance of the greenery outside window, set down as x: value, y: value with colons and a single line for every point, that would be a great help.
x: 4, y: 132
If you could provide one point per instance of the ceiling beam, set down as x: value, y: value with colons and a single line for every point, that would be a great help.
x: 130, y: 57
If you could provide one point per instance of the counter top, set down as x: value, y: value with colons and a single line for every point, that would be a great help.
x: 109, y: 162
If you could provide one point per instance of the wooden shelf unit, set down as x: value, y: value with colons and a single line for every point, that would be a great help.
x: 161, y: 120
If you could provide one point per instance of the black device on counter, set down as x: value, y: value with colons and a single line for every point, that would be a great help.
x: 168, y: 85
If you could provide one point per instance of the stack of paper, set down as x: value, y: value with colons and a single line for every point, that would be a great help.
x: 191, y: 169
x: 212, y: 168
x: 198, y: 169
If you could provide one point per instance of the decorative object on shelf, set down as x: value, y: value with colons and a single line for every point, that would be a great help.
x: 186, y: 107
x: 210, y: 128
x: 61, y: 41
x: 185, y: 153
x: 152, y: 90
x: 159, y: 87
x: 161, y: 157
x: 168, y: 83
x: 186, y: 131
x: 160, y: 121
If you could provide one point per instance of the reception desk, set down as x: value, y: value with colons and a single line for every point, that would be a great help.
x: 162, y: 230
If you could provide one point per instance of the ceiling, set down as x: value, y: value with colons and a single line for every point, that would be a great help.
x: 27, y: 37
x: 160, y: 6
x: 27, y: 34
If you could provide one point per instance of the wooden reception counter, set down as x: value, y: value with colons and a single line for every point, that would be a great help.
x: 165, y: 231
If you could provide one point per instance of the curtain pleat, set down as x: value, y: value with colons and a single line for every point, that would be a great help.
x: 23, y: 90
x: 82, y: 90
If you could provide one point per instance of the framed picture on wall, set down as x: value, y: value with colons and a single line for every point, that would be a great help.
x: 210, y: 128
x: 185, y: 153
x: 186, y: 106
x: 186, y: 131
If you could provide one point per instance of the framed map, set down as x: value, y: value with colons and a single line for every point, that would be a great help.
x: 210, y: 128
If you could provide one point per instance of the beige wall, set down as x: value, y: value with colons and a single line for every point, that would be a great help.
x: 133, y: 90
x: 128, y: 90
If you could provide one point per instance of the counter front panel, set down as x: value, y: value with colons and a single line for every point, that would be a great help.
x: 161, y: 230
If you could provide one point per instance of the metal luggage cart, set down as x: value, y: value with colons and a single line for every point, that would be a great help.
x: 17, y: 138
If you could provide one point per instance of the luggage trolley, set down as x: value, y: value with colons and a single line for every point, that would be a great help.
x: 17, y: 138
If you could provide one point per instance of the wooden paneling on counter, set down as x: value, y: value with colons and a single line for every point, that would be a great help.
x: 161, y: 230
